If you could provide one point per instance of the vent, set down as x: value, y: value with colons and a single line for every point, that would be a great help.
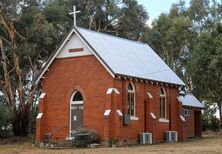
x: 145, y: 138
x: 171, y: 136
x: 126, y: 119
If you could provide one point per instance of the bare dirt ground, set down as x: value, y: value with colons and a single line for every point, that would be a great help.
x: 209, y: 143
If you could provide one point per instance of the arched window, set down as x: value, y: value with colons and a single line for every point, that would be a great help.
x: 131, y: 100
x: 77, y: 96
x: 162, y: 103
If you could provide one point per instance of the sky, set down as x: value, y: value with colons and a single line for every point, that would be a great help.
x: 156, y: 7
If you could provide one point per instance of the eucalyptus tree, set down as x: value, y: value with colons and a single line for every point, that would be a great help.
x: 24, y: 39
x: 125, y: 18
x: 170, y: 36
x: 205, y: 67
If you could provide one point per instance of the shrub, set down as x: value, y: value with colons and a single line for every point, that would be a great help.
x: 112, y: 142
x: 210, y: 122
x: 83, y: 137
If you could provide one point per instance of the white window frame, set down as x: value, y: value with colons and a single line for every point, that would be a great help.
x: 132, y: 117
x: 186, y: 112
x: 165, y: 103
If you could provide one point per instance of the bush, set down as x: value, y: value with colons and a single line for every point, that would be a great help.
x: 84, y: 137
x: 112, y: 142
x: 210, y: 122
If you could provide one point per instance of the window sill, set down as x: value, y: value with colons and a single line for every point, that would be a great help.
x: 164, y: 120
x: 134, y: 118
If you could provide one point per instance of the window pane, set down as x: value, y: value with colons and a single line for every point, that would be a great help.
x: 77, y: 97
x: 161, y: 91
x: 164, y: 107
x: 130, y: 87
x: 128, y: 103
x: 160, y: 107
x: 132, y: 104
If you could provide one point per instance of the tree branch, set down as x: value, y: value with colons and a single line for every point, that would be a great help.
x: 2, y: 83
x: 19, y: 35
x: 4, y: 39
x: 11, y: 70
x: 3, y: 60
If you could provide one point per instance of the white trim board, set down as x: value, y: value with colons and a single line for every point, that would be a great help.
x: 74, y: 43
x: 76, y: 102
x: 149, y: 95
x: 110, y: 90
x: 54, y: 56
x: 42, y: 95
x: 119, y: 113
x: 107, y: 112
x: 152, y: 115
x: 97, y: 57
x: 39, y: 116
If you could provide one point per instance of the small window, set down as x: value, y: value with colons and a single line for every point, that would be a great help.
x: 186, y: 112
x: 77, y: 97
x: 131, y: 100
x: 162, y: 103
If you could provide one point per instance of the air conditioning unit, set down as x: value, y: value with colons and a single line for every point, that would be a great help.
x: 171, y: 136
x: 126, y: 119
x: 145, y: 138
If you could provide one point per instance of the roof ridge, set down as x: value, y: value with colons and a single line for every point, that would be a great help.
x: 117, y: 37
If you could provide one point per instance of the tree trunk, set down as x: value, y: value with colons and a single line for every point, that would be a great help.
x: 220, y: 113
x: 14, y: 93
x: 20, y: 123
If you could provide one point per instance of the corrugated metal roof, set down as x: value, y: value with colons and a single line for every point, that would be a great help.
x: 190, y: 100
x: 130, y: 58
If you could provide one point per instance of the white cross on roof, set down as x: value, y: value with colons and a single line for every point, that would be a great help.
x: 74, y: 14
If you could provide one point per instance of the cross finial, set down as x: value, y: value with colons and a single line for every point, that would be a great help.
x: 74, y: 14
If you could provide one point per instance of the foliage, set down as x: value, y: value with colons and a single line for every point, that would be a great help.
x: 123, y: 18
x: 84, y: 137
x: 210, y: 123
x: 209, y: 120
x: 206, y: 66
x: 112, y: 141
x: 171, y: 36
x: 32, y: 118
x: 20, y: 55
x: 5, y: 129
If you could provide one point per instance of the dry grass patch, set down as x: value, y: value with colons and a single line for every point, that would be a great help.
x: 209, y: 143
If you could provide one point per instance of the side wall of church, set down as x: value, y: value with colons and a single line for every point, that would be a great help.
x: 145, y: 106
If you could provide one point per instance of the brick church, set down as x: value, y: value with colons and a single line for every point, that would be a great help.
x: 117, y: 87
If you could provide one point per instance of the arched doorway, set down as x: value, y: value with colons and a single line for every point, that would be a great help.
x: 76, y: 111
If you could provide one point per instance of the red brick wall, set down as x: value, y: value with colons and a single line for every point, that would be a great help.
x: 59, y: 84
x: 90, y: 77
x: 154, y: 126
x: 193, y: 123
x: 198, y: 123
x: 190, y: 124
